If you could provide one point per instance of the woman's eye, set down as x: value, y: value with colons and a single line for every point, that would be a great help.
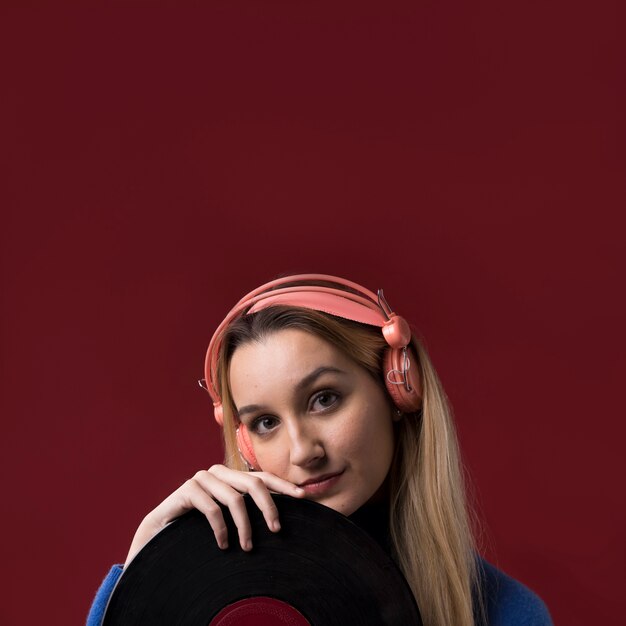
x: 263, y: 425
x: 324, y: 400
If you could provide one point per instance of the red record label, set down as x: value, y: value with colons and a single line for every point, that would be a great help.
x: 259, y: 611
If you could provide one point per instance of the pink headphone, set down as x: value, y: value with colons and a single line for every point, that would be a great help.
x: 401, y: 381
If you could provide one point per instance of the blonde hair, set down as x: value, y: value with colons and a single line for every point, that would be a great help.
x: 431, y: 537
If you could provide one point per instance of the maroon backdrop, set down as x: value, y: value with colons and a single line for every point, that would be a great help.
x: 160, y: 161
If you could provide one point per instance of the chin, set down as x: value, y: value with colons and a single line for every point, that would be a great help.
x: 345, y: 507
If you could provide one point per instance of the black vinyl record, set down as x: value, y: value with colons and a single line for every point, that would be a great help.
x: 319, y: 569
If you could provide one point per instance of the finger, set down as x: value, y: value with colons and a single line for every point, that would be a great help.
x: 262, y: 498
x: 231, y: 498
x: 239, y: 480
x: 258, y: 484
x: 253, y: 484
x: 279, y: 485
x: 198, y: 498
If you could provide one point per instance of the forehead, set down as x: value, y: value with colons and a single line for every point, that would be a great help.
x: 286, y: 356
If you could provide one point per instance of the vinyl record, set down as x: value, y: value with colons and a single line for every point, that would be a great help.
x: 319, y: 569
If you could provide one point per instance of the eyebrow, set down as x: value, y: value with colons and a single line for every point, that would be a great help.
x: 308, y: 380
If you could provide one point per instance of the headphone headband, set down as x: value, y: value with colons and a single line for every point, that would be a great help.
x: 308, y: 277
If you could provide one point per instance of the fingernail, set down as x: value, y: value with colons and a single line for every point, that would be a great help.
x: 299, y: 490
x: 275, y: 525
x: 223, y: 545
x: 247, y: 545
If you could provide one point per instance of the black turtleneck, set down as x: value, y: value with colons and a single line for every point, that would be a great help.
x: 373, y: 518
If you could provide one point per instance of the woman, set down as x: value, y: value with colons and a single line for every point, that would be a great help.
x: 324, y: 393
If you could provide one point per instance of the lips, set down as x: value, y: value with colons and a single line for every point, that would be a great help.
x: 320, y: 479
x: 322, y: 483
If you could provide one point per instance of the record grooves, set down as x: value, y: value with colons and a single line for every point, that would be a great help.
x: 320, y: 569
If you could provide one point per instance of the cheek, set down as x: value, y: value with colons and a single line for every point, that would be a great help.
x: 272, y: 459
x: 368, y: 435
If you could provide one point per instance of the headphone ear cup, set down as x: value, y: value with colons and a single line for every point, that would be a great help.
x: 393, y: 365
x: 245, y: 447
x: 396, y: 331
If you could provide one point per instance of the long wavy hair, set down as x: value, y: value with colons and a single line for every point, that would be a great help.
x: 432, y: 540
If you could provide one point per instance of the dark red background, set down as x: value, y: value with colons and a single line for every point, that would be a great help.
x: 160, y: 161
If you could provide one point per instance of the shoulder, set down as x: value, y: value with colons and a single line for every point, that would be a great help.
x: 99, y: 604
x: 510, y: 603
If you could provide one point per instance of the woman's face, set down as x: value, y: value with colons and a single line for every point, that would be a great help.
x: 315, y: 417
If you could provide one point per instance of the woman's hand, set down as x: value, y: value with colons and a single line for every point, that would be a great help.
x: 221, y: 484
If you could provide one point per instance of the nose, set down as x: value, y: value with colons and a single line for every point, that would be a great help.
x: 305, y: 444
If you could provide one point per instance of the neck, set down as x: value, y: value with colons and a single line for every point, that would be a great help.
x: 373, y: 518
